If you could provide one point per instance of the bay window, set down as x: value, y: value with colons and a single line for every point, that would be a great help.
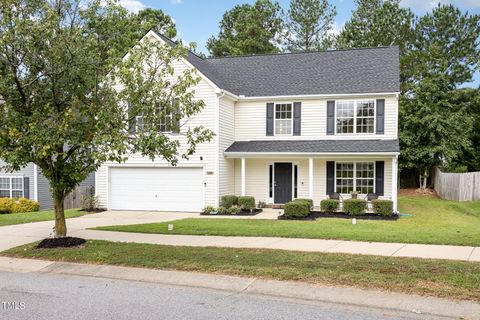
x: 355, y: 117
x: 355, y: 176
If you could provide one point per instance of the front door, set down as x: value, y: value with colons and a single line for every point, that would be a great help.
x: 283, y: 182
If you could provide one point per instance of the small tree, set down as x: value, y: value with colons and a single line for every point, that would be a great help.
x: 70, y: 101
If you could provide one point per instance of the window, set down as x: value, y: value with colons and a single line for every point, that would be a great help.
x: 11, y: 187
x: 355, y: 117
x: 283, y: 119
x: 358, y: 176
x: 165, y: 121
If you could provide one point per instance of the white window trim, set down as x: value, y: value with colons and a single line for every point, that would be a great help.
x: 355, y: 176
x: 271, y: 200
x: 355, y: 102
x: 275, y: 120
x: 11, y: 184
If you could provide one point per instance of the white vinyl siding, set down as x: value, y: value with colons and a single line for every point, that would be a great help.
x: 250, y: 120
x: 226, y: 138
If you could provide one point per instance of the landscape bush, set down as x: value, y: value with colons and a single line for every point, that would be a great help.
x: 24, y: 205
x: 329, y: 205
x: 228, y: 201
x: 308, y: 201
x: 354, y: 207
x: 209, y: 209
x: 246, y: 203
x: 222, y: 210
x: 233, y: 210
x: 296, y: 209
x: 383, y: 207
x: 6, y: 205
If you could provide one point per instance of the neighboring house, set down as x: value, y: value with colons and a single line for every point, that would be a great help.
x: 295, y: 125
x: 30, y: 183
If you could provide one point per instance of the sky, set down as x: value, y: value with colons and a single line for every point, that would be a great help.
x: 197, y: 20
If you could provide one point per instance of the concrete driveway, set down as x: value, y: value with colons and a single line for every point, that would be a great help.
x: 19, y: 234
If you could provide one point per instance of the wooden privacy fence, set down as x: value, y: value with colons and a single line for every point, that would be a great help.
x: 75, y: 198
x: 457, y: 186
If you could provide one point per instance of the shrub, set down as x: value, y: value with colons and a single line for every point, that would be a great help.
x: 296, y: 209
x: 25, y: 205
x: 262, y: 204
x: 329, y: 205
x: 233, y: 210
x: 89, y: 202
x: 209, y: 209
x: 6, y: 205
x: 228, y: 201
x: 308, y: 201
x: 383, y: 207
x: 246, y: 203
x: 222, y: 210
x: 354, y: 207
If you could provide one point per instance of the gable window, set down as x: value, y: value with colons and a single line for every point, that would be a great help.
x: 283, y: 119
x: 355, y: 117
x: 358, y: 176
x: 11, y: 187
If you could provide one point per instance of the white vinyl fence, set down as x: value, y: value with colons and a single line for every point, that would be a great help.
x: 457, y: 186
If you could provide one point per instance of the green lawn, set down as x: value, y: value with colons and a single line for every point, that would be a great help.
x: 19, y: 218
x: 454, y: 279
x: 435, y: 221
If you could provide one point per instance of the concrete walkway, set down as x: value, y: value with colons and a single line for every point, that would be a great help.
x: 12, y: 236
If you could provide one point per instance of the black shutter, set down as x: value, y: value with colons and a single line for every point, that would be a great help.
x: 269, y: 119
x: 297, y: 118
x: 330, y: 177
x: 330, y: 118
x: 380, y: 116
x: 379, y: 177
x: 26, y: 187
x: 132, y: 122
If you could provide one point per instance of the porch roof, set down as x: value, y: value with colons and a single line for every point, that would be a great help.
x: 313, y: 147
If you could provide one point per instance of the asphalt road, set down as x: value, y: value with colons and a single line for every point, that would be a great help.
x: 46, y: 296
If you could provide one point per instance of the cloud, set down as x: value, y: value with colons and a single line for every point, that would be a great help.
x: 425, y: 5
x: 132, y: 5
x: 176, y: 1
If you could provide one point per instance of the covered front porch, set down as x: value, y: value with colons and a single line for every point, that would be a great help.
x: 279, y: 177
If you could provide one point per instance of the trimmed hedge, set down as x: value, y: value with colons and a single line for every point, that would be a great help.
x: 19, y: 205
x: 296, y: 209
x: 308, y: 201
x: 354, y: 207
x: 383, y: 207
x: 228, y: 201
x: 246, y: 203
x: 329, y: 205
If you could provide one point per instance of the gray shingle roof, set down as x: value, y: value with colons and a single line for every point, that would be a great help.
x: 314, y: 146
x: 369, y: 70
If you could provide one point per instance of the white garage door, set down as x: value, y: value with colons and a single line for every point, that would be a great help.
x: 158, y: 189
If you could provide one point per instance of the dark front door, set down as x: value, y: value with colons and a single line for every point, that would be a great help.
x: 283, y: 182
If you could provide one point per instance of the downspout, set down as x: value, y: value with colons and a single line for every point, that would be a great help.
x: 35, y: 182
x: 217, y: 146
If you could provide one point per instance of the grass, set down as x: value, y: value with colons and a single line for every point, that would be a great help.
x: 20, y: 218
x: 435, y: 221
x: 442, y: 278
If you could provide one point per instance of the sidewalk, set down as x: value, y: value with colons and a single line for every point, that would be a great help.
x: 16, y: 235
x: 436, y: 307
x: 311, y: 245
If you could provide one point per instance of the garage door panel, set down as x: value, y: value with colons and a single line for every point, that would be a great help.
x: 159, y: 189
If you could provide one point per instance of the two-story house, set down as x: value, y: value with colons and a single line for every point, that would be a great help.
x: 295, y: 125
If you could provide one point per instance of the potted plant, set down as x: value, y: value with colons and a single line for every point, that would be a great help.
x: 354, y: 194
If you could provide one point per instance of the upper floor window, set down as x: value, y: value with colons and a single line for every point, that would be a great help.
x: 283, y: 119
x: 11, y: 187
x: 164, y: 123
x: 355, y: 117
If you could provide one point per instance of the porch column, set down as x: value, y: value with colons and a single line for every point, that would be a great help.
x: 394, y: 183
x: 310, y: 178
x: 243, y: 177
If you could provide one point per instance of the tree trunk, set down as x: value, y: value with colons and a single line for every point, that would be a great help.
x: 423, y: 180
x: 60, y: 225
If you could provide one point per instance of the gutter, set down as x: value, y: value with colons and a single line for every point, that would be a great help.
x: 306, y: 154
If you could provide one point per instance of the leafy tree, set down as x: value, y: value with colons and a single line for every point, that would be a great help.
x: 249, y: 29
x: 309, y: 22
x: 435, y: 118
x: 65, y: 93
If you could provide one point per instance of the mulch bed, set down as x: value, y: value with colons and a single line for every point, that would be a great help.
x: 97, y: 210
x: 317, y: 214
x: 242, y: 213
x: 64, y: 242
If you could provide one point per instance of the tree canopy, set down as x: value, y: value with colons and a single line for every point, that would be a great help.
x: 69, y: 99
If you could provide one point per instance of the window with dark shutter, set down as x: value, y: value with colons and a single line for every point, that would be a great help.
x: 297, y: 118
x: 269, y: 125
x: 380, y: 116
x: 379, y: 177
x: 330, y: 177
x: 330, y: 118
